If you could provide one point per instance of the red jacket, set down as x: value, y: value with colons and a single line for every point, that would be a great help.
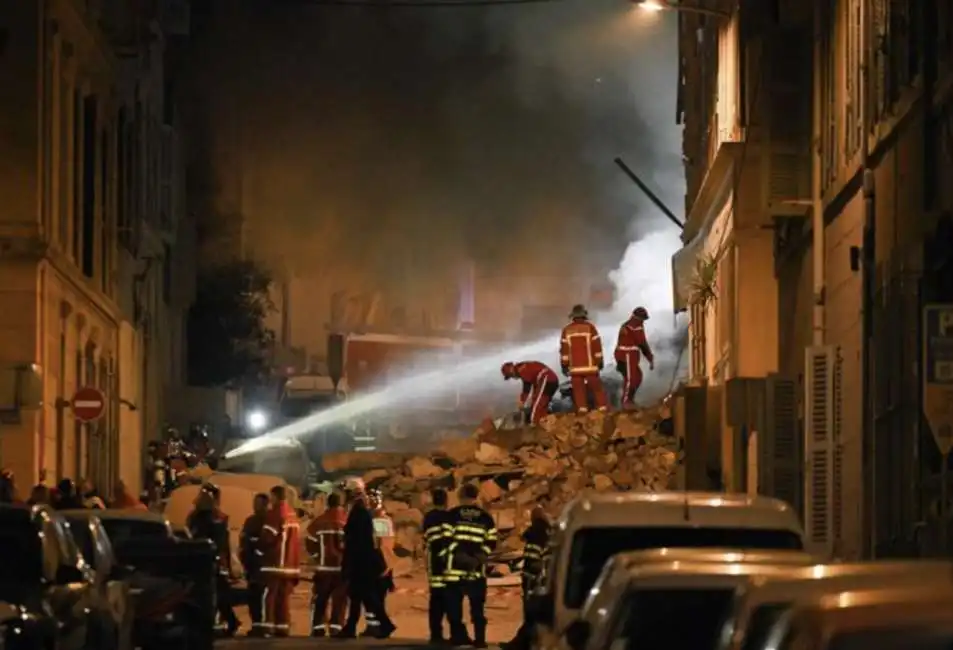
x: 280, y: 543
x: 580, y: 349
x: 534, y: 373
x: 325, y: 541
x: 632, y: 341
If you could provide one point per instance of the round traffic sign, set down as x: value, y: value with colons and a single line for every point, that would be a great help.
x: 89, y: 403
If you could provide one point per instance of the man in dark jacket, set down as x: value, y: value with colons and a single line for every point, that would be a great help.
x: 362, y: 568
x: 535, y: 557
x: 206, y: 521
x: 250, y: 555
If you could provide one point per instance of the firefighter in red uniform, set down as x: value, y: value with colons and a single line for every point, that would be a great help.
x: 629, y: 350
x: 325, y: 543
x: 540, y: 383
x: 580, y: 352
x: 280, y: 569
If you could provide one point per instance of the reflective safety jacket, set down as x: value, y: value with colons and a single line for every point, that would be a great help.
x: 580, y: 348
x: 438, y: 533
x: 534, y: 375
x: 280, y: 545
x: 249, y: 542
x: 632, y: 342
x: 473, y: 537
x: 535, y: 554
x: 325, y: 540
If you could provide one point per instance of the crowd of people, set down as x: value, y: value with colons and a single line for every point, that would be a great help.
x: 67, y: 494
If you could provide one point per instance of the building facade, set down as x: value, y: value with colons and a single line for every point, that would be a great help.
x: 78, y: 161
x: 834, y: 149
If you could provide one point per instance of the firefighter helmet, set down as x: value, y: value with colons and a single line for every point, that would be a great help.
x: 508, y: 369
x: 579, y: 311
x: 641, y: 313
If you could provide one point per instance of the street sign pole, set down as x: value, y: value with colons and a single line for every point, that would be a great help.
x: 937, y: 375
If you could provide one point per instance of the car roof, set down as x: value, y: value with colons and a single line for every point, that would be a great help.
x: 16, y: 512
x: 631, y: 559
x: 115, y: 514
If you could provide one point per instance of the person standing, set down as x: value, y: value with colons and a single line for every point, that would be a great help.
x: 384, y: 539
x: 580, y: 353
x: 473, y: 538
x: 280, y: 546
x: 325, y: 544
x: 251, y: 555
x: 438, y: 533
x: 362, y: 568
x: 535, y: 555
x: 631, y: 346
x: 206, y: 521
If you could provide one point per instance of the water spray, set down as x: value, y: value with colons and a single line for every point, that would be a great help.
x: 638, y: 281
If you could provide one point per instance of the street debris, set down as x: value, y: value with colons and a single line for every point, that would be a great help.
x: 517, y: 469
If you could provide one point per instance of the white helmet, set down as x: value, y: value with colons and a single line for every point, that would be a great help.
x: 352, y: 484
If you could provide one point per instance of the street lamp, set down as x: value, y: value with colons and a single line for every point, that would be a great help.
x: 663, y: 5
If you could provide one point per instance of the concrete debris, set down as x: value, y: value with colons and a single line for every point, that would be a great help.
x: 517, y: 469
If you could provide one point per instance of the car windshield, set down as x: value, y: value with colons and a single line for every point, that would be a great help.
x: 674, y: 619
x: 79, y: 528
x: 122, y: 531
x: 592, y: 548
x: 763, y: 620
x: 299, y: 407
x: 20, y: 543
x: 902, y: 637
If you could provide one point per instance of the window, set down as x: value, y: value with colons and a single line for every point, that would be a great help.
x: 53, y: 553
x: 19, y: 539
x: 762, y: 622
x: 123, y: 178
x: 105, y: 210
x: 697, y: 326
x: 592, y: 548
x: 656, y: 618
x: 167, y: 273
x: 76, y: 129
x: 87, y: 257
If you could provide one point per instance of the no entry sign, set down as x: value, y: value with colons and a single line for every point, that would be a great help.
x: 88, y: 404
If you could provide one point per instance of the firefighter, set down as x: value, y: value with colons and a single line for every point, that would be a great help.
x: 535, y: 555
x: 251, y: 555
x: 580, y: 352
x: 280, y: 569
x: 629, y: 350
x: 437, y: 536
x: 207, y: 521
x: 472, y: 539
x: 325, y: 544
x: 363, y: 568
x: 540, y: 383
x: 384, y: 540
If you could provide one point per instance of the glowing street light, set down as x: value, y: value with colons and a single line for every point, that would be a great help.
x: 663, y: 5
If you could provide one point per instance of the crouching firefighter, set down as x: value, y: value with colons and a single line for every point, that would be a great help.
x: 280, y: 569
x: 629, y: 350
x: 473, y: 538
x: 207, y: 521
x: 535, y: 557
x: 325, y: 544
x: 540, y: 383
x: 438, y: 533
x: 580, y: 352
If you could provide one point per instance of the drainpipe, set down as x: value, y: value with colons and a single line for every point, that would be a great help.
x: 817, y: 190
x: 868, y: 273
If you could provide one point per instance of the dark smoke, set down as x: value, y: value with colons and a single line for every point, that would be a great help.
x: 429, y: 135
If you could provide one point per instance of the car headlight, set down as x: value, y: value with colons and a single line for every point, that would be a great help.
x: 257, y: 420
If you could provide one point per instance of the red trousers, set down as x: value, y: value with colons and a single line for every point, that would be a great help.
x: 328, y: 587
x: 539, y: 400
x: 276, y: 613
x: 582, y: 386
x: 631, y: 375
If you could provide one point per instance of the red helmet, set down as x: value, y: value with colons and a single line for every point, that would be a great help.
x: 508, y: 369
x: 641, y: 313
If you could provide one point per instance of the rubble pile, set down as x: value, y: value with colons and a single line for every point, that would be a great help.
x: 517, y: 469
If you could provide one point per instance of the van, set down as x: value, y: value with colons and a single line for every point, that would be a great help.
x: 767, y: 599
x: 594, y: 527
x: 639, y: 590
x: 906, y: 618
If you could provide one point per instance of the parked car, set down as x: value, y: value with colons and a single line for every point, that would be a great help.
x: 172, y: 579
x: 47, y: 593
x: 110, y: 579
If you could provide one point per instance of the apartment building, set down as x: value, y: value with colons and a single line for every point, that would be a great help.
x: 83, y: 180
x: 804, y: 121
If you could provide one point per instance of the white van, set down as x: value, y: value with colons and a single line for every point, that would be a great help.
x: 594, y: 527
x: 648, y: 593
x: 757, y: 609
x: 909, y: 618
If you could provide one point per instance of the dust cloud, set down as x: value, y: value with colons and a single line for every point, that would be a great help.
x: 380, y: 148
